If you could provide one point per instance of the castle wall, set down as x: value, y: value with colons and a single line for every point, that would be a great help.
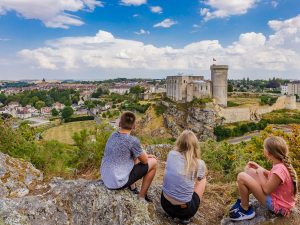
x: 177, y: 87
x: 237, y: 114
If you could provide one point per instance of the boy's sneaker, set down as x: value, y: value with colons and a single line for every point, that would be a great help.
x: 239, y: 213
x: 236, y: 205
x: 134, y: 190
x: 186, y: 221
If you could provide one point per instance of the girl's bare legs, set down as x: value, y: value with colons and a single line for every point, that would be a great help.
x: 248, y: 184
x: 200, y: 187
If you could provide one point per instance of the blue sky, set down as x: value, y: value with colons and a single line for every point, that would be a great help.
x: 90, y: 39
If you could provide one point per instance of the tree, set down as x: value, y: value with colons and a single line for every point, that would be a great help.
x: 3, y: 98
x: 67, y: 112
x: 54, y: 112
x: 39, y: 104
x: 137, y: 90
x: 89, y: 104
x: 230, y: 88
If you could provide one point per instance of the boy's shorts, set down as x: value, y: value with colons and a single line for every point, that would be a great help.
x: 138, y: 172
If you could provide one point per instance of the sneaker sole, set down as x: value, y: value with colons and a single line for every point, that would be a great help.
x: 244, y: 218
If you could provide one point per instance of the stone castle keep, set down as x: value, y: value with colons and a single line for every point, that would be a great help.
x: 186, y: 88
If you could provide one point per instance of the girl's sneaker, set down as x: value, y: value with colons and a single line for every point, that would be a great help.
x: 236, y: 205
x: 239, y: 213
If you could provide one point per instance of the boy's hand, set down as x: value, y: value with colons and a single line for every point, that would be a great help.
x: 253, y: 165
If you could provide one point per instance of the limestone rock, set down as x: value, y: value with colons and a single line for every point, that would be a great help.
x: 200, y: 120
x: 17, y: 177
x: 77, y: 202
x: 160, y: 150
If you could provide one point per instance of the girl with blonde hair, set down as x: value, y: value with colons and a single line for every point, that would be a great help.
x: 275, y: 189
x: 184, y: 181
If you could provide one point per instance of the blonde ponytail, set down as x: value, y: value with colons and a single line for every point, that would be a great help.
x: 187, y: 144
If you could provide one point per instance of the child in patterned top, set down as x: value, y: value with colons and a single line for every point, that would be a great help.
x: 124, y: 162
x: 275, y: 189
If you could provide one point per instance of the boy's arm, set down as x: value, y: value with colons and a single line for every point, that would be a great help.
x: 143, y: 158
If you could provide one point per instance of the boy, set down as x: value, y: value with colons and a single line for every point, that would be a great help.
x: 124, y: 162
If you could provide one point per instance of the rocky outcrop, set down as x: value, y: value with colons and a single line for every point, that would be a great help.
x: 200, y: 119
x: 17, y: 177
x: 160, y: 150
x: 84, y: 202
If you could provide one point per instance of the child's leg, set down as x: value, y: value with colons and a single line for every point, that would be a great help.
x: 257, y: 175
x: 133, y: 186
x: 147, y: 179
x: 248, y: 185
x: 200, y: 187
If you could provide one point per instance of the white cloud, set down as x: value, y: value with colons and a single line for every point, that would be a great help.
x: 142, y: 31
x: 252, y: 51
x: 156, y: 9
x: 226, y: 8
x: 53, y: 13
x: 167, y: 23
x: 274, y: 3
x: 133, y: 2
x: 4, y: 39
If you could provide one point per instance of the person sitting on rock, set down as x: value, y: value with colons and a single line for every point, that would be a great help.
x: 124, y: 162
x: 275, y: 189
x: 185, y: 179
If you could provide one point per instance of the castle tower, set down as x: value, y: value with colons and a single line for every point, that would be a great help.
x: 219, y: 83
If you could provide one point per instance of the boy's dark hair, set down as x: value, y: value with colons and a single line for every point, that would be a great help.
x: 127, y: 120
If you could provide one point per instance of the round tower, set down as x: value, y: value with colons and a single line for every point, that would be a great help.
x: 219, y: 75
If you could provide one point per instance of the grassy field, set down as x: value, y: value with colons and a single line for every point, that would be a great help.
x: 63, y: 133
x: 245, y: 101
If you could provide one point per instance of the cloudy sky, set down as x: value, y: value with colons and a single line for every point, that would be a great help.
x: 93, y: 39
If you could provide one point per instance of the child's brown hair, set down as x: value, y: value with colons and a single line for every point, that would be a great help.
x: 278, y: 148
x: 127, y: 120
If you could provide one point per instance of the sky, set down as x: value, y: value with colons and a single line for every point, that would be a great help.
x: 96, y: 40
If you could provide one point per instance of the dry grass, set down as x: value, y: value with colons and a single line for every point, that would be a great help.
x: 64, y: 133
x: 245, y: 101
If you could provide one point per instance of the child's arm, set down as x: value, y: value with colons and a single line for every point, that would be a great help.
x: 272, y: 183
x: 256, y: 166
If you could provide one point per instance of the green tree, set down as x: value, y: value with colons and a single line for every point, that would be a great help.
x: 137, y: 90
x: 67, y: 112
x: 3, y: 98
x: 89, y: 104
x: 230, y: 88
x: 39, y: 104
x: 54, y: 112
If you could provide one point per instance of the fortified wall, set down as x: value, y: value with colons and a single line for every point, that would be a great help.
x: 253, y: 113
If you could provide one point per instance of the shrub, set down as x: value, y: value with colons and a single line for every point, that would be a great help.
x: 160, y: 109
x: 232, y: 104
x: 80, y: 118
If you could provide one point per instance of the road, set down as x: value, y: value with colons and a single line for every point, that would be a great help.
x: 248, y: 136
x: 96, y: 118
x: 37, y: 121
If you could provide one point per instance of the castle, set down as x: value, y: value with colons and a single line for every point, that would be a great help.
x: 186, y: 88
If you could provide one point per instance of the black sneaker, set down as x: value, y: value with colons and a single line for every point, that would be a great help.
x: 186, y: 221
x: 134, y: 190
x: 148, y: 199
